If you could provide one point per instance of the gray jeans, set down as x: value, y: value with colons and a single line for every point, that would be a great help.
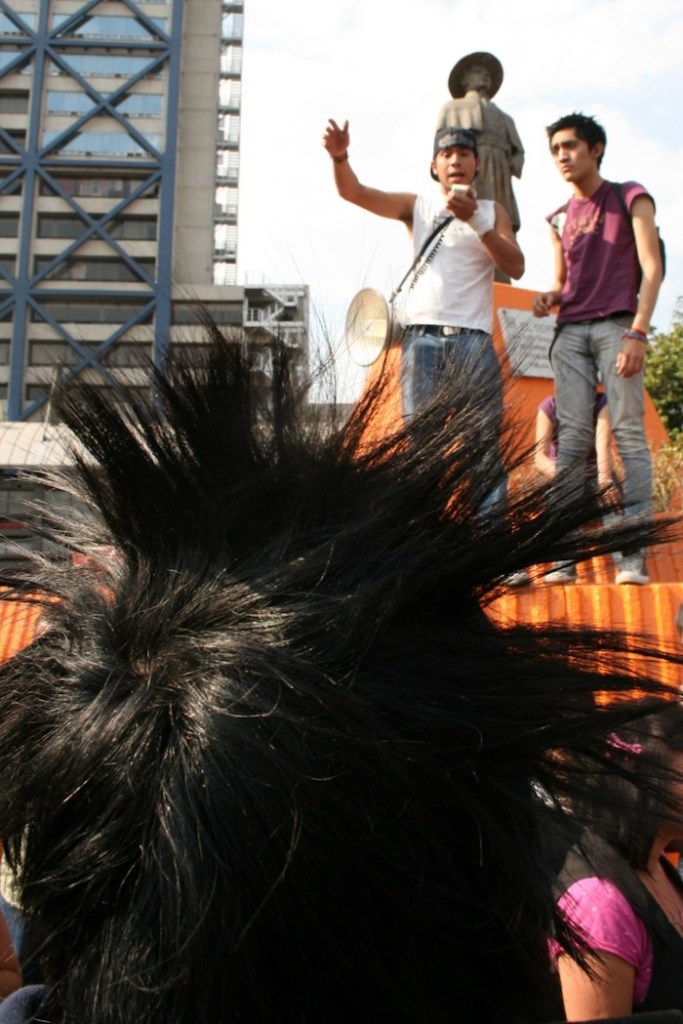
x: 579, y: 351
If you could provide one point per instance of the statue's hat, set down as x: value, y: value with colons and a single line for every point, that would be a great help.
x: 487, y: 60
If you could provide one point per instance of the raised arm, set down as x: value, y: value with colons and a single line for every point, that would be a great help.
x: 396, y: 205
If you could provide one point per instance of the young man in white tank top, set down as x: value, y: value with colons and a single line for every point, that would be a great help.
x: 450, y: 301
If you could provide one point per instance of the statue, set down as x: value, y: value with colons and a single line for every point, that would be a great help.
x: 473, y: 82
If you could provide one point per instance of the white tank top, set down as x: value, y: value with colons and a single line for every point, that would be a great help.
x: 456, y: 286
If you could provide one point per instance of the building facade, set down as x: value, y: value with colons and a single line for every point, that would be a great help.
x: 119, y: 186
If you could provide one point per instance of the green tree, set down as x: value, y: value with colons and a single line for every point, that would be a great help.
x: 664, y: 378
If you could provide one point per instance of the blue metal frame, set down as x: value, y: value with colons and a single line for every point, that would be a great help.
x: 26, y: 291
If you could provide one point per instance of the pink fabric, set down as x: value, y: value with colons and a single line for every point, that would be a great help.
x: 605, y: 918
x: 549, y: 407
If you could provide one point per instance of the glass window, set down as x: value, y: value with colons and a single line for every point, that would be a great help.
x: 229, y: 129
x: 228, y: 165
x: 6, y: 58
x: 232, y: 26
x: 56, y: 353
x: 14, y: 102
x: 105, y: 187
x: 60, y: 225
x: 102, y: 26
x: 141, y: 104
x: 231, y: 60
x: 105, y: 65
x: 15, y: 189
x: 92, y: 268
x: 230, y: 93
x: 68, y: 225
x: 134, y: 228
x: 224, y: 273
x: 36, y: 393
x: 19, y: 138
x: 9, y: 27
x: 9, y: 225
x: 220, y: 313
x: 103, y: 143
x: 85, y: 311
x: 131, y: 354
x: 68, y: 102
x: 225, y: 239
x: 226, y: 201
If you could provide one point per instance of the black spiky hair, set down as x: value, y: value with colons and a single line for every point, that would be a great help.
x: 269, y: 760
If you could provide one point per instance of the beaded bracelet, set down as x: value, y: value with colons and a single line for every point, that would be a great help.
x: 341, y: 159
x: 636, y: 335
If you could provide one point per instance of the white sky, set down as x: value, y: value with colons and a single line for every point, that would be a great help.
x: 384, y: 65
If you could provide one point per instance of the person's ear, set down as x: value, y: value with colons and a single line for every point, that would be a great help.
x: 597, y: 150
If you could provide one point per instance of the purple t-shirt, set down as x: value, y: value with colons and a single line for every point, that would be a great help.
x: 549, y: 407
x: 600, y: 254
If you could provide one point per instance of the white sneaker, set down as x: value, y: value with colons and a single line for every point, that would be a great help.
x: 564, y: 572
x: 521, y: 578
x: 632, y: 570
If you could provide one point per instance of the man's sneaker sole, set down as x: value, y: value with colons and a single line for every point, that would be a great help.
x: 632, y: 576
x: 557, y: 576
x: 517, y: 579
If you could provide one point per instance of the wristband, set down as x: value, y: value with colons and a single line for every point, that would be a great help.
x: 480, y: 223
x: 635, y: 335
x: 341, y: 159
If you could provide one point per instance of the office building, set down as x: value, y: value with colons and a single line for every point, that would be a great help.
x: 119, y: 186
x: 119, y: 177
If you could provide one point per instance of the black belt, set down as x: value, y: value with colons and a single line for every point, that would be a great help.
x: 598, y: 319
x: 445, y: 330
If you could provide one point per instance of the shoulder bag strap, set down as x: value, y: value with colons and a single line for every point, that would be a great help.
x: 438, y: 230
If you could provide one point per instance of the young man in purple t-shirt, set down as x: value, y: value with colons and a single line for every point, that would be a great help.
x: 607, y: 275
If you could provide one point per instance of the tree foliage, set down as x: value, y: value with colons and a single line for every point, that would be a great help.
x: 664, y: 377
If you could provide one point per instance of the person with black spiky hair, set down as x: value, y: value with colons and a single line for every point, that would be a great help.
x: 271, y: 761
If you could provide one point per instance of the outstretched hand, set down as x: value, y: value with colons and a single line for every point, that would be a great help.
x: 336, y: 139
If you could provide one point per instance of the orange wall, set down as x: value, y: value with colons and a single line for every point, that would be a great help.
x: 523, y: 393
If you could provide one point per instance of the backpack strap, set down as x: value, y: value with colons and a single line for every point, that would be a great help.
x: 618, y: 191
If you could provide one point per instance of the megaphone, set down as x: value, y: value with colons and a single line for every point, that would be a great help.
x: 371, y: 325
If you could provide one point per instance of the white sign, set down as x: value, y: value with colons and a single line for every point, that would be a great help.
x: 527, y: 341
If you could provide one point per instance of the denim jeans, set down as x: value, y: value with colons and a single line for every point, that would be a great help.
x: 428, y: 359
x: 579, y: 351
